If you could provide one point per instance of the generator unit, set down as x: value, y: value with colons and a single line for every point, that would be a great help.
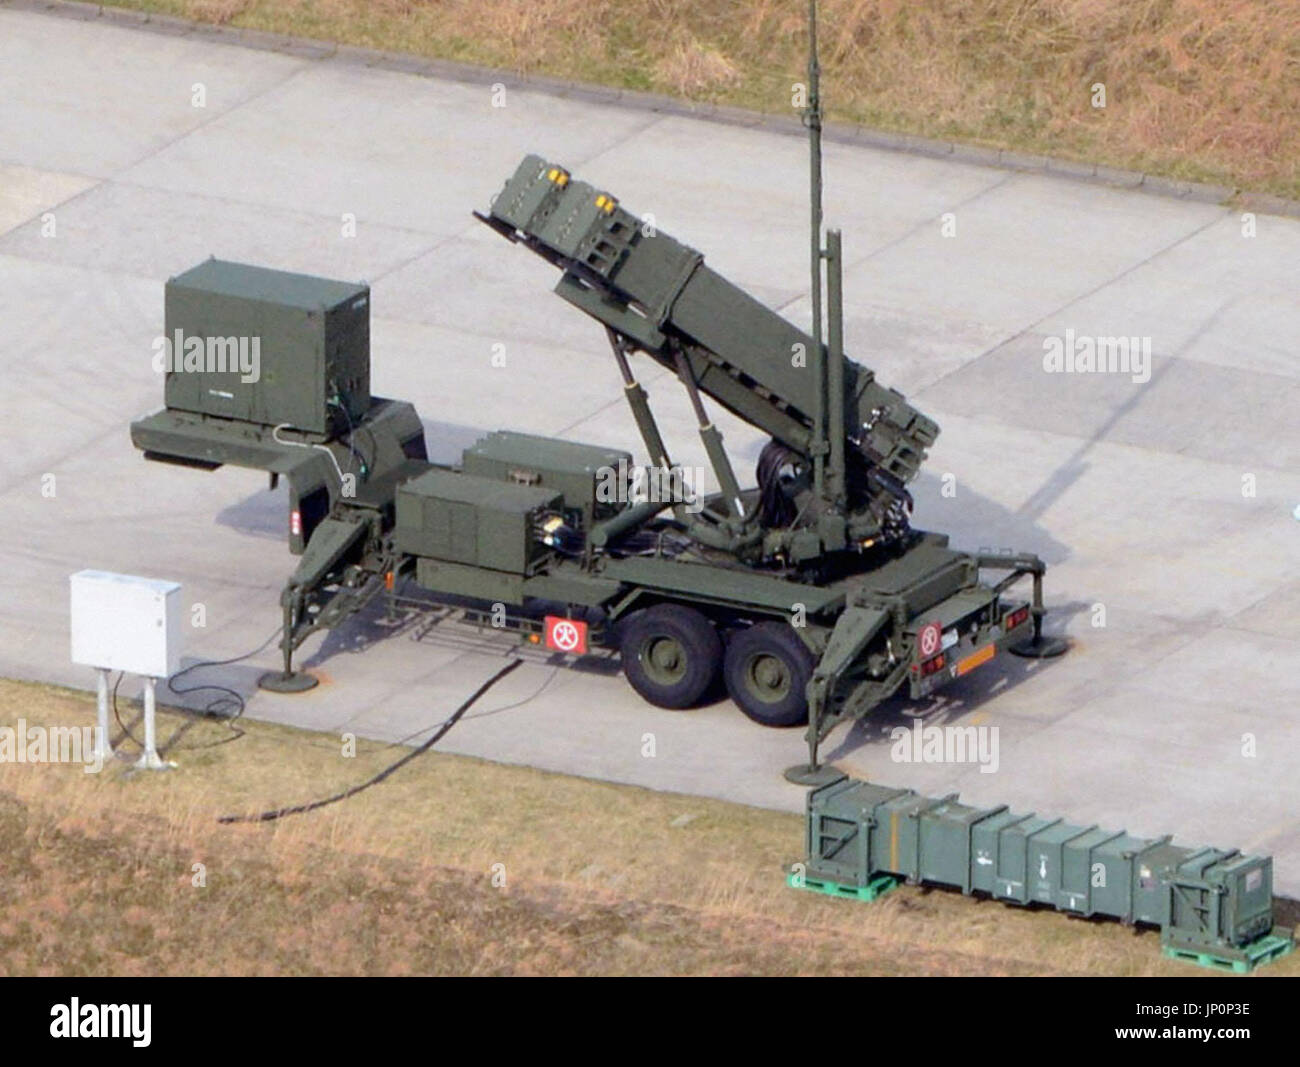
x: 267, y: 346
x: 479, y: 522
x: 1213, y: 906
x: 593, y: 479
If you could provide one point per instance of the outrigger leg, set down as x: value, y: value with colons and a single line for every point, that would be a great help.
x: 853, y: 631
x: 1038, y: 646
x: 289, y: 680
x: 814, y: 773
x: 329, y: 544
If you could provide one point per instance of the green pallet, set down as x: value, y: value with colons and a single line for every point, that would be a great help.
x: 1262, y: 950
x: 877, y: 887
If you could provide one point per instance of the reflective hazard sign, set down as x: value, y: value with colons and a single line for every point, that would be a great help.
x: 566, y: 635
x: 929, y: 639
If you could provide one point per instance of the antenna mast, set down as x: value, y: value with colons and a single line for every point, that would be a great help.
x: 813, y: 120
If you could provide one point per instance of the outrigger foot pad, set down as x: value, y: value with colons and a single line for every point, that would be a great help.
x: 1039, y: 647
x: 287, y: 682
x: 806, y: 774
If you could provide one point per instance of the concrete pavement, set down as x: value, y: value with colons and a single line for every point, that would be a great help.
x: 1163, y: 508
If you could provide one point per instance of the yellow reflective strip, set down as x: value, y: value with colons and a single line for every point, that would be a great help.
x: 975, y: 659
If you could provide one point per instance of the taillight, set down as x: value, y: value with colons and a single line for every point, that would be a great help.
x: 295, y: 523
x: 1016, y: 618
x: 930, y: 666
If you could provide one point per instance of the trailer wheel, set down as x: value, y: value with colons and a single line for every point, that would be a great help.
x: 766, y: 670
x: 670, y: 655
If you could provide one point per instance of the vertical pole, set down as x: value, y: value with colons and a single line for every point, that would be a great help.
x: 1037, y: 609
x: 835, y: 371
x: 103, y: 749
x: 813, y: 120
x: 286, y: 643
x: 814, y: 732
x: 149, y: 759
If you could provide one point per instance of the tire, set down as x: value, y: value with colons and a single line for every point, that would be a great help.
x: 766, y: 670
x: 671, y: 655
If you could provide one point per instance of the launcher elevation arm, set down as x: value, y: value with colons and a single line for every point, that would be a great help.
x: 656, y: 295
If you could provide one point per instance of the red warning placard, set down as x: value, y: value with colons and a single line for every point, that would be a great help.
x: 929, y: 639
x: 566, y: 635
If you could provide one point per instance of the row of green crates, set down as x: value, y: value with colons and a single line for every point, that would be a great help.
x: 1213, y: 907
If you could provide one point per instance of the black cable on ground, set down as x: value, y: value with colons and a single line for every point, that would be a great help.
x: 233, y: 699
x: 298, y: 809
x: 483, y: 714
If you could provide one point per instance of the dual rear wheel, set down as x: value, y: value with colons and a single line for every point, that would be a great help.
x: 672, y: 654
x: 766, y: 670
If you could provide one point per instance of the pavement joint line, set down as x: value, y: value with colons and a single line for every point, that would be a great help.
x: 82, y: 449
x: 1126, y: 272
x: 1147, y: 449
x: 658, y: 374
x: 920, y: 226
x: 627, y: 136
x: 64, y: 265
x: 472, y: 228
x: 1073, y: 466
x: 50, y: 208
x: 1194, y: 232
x: 289, y: 212
x: 553, y: 346
x: 1026, y: 330
x: 439, y: 242
x: 214, y: 117
x: 358, y: 717
x: 912, y: 231
x: 439, y: 239
x: 1192, y: 630
x: 609, y: 406
x: 923, y: 224
x: 43, y: 209
x: 261, y: 208
x: 317, y: 50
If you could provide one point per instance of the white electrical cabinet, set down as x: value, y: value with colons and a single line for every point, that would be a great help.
x: 124, y: 623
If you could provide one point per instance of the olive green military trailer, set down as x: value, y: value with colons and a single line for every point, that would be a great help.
x: 809, y: 594
x: 1213, y: 906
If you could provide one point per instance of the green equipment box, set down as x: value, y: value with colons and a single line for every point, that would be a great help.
x: 268, y: 346
x: 592, y: 478
x: 1212, y: 905
x: 476, y: 521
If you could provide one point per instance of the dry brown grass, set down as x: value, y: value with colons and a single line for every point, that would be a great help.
x: 1197, y: 89
x: 96, y: 875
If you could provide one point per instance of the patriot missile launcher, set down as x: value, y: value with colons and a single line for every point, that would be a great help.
x: 808, y: 594
x: 834, y: 602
